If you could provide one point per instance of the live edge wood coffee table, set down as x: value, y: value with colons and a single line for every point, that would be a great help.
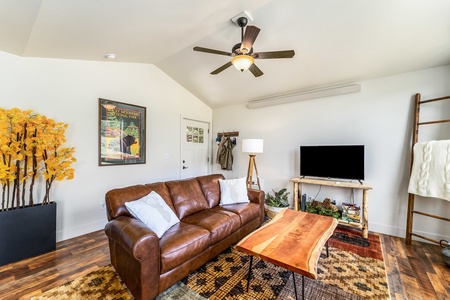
x: 292, y: 240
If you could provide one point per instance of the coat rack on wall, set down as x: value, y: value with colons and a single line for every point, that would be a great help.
x: 228, y: 133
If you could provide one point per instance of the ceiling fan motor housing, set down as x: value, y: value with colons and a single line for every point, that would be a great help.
x: 237, y: 50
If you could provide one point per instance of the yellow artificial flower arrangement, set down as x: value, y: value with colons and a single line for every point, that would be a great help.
x: 31, y: 145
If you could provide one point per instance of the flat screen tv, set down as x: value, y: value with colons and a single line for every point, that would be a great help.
x: 332, y: 161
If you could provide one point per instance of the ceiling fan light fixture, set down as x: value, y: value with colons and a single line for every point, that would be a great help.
x: 242, y: 62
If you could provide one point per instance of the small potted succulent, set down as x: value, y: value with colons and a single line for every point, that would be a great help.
x: 275, y: 201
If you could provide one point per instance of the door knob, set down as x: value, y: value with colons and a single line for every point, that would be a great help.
x: 184, y: 167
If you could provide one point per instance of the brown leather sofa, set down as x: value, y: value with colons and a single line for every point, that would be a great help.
x: 148, y: 265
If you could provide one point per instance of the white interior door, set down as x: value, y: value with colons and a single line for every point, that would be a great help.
x: 194, y: 148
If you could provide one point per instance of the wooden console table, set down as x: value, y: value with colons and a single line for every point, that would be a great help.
x: 364, y: 225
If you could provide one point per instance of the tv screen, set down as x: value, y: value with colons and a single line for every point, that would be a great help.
x: 335, y: 161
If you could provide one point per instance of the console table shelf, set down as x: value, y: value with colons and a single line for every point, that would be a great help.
x: 364, y: 225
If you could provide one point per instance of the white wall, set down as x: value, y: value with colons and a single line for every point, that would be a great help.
x: 68, y: 91
x: 379, y: 117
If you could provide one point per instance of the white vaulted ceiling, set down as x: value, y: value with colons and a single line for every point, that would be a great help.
x: 336, y: 41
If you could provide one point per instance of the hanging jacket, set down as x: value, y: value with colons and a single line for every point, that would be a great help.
x: 219, y: 150
x: 225, y: 155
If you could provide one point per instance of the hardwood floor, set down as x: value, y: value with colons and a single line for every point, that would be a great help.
x: 72, y: 258
x: 414, y: 272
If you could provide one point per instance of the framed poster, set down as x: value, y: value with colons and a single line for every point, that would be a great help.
x: 121, y: 133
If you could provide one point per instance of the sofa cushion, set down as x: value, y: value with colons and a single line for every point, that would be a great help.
x: 211, y: 188
x: 154, y: 212
x: 163, y: 191
x: 233, y: 191
x: 247, y: 212
x: 180, y: 243
x: 187, y: 197
x: 116, y: 198
x: 220, y: 223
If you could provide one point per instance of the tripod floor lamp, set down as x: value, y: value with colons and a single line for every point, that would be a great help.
x: 252, y: 146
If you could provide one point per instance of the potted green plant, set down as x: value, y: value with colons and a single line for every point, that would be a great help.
x: 275, y: 201
x: 31, y: 154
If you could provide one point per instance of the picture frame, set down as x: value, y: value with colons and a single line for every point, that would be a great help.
x: 121, y: 133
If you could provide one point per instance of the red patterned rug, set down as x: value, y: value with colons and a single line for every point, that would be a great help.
x: 349, y: 239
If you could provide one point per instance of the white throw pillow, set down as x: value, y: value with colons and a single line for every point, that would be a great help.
x: 154, y: 212
x: 233, y: 191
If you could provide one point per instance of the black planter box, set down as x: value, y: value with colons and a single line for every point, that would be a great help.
x: 27, y: 232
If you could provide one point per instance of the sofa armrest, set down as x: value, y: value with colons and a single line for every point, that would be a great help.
x: 134, y: 236
x: 135, y: 254
x: 257, y: 196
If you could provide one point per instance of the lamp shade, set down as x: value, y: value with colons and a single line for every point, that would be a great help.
x: 252, y: 145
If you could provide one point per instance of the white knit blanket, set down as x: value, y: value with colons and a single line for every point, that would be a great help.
x: 430, y: 176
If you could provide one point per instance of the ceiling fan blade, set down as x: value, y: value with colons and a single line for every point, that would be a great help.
x: 255, y: 70
x: 274, y: 54
x: 251, y: 32
x: 212, y: 51
x: 225, y: 66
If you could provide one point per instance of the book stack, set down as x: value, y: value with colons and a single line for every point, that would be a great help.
x: 351, y: 213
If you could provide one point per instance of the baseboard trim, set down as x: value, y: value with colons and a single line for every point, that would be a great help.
x: 401, y: 232
x: 69, y: 233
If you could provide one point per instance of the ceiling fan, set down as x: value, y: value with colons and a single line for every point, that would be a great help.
x: 242, y: 55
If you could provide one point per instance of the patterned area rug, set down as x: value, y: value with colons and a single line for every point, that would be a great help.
x: 354, y: 270
x: 106, y: 284
x: 225, y: 277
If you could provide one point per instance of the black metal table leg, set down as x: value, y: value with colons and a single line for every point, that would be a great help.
x: 249, y: 271
x: 295, y: 286
x: 303, y: 287
x: 326, y: 246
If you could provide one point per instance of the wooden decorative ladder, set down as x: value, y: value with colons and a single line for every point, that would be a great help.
x: 415, y: 139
